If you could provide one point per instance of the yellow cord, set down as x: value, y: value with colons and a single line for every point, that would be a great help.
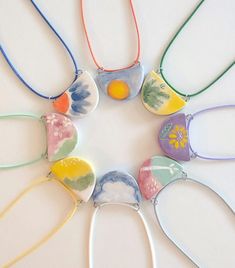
x: 54, y: 230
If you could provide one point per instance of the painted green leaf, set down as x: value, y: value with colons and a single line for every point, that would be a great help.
x: 153, y: 94
x: 66, y: 148
x: 165, y: 131
x: 80, y: 183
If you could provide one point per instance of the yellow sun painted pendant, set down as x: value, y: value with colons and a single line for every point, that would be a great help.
x: 77, y: 175
x: 122, y: 84
x: 158, y: 97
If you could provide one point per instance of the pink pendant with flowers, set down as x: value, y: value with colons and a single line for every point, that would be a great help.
x: 61, y: 136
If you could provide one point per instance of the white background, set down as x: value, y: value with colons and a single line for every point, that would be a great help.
x: 119, y: 135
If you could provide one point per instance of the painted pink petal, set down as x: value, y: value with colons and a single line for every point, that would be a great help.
x: 61, y: 137
x: 148, y: 184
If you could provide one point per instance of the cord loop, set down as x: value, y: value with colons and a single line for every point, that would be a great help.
x: 99, y: 67
x: 169, y: 46
x: 20, y: 77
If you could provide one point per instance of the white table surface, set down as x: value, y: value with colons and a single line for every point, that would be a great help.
x: 119, y: 135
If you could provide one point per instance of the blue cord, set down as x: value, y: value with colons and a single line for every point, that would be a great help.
x: 16, y: 72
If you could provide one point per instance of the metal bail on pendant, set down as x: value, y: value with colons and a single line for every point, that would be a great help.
x: 123, y: 84
x: 158, y: 97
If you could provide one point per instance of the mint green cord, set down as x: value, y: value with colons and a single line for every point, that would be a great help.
x: 168, y: 47
x: 6, y: 116
x: 16, y: 165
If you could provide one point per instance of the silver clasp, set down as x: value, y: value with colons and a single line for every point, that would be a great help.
x: 78, y: 72
x: 184, y: 175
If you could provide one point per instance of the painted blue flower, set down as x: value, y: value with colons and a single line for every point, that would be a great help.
x: 79, y: 94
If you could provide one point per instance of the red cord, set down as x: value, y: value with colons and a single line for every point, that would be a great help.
x: 90, y: 47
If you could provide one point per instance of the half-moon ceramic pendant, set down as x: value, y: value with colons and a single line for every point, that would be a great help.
x: 117, y: 187
x: 173, y: 138
x: 80, y: 99
x: 123, y: 84
x: 77, y: 174
x: 158, y: 97
x: 155, y: 173
x: 61, y: 136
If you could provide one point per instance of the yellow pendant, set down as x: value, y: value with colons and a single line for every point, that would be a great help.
x: 158, y: 97
x: 76, y: 174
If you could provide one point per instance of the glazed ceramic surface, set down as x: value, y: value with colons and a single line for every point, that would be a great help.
x: 173, y: 138
x: 123, y: 84
x: 61, y: 136
x: 77, y: 174
x: 117, y: 187
x: 155, y: 173
x: 80, y: 99
x: 158, y: 97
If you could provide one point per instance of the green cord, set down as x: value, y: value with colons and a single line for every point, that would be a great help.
x: 6, y: 116
x: 168, y: 47
x: 16, y: 165
x: 22, y: 164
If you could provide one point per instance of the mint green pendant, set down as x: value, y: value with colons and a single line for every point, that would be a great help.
x: 157, y: 172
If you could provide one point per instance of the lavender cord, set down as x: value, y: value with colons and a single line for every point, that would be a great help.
x: 191, y: 117
x: 165, y: 230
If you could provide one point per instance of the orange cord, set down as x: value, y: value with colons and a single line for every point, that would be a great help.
x: 90, y: 47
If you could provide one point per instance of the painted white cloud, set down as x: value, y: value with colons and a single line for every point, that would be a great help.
x: 117, y: 192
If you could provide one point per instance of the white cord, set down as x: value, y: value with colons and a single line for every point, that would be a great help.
x: 92, y: 226
x: 91, y: 234
x: 150, y: 240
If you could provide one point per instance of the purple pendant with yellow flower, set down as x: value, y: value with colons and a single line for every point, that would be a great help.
x: 173, y: 138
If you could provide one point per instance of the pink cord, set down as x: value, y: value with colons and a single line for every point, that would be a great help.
x: 90, y: 47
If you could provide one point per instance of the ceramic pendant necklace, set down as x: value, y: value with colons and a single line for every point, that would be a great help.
x: 158, y: 95
x: 117, y: 188
x: 174, y: 137
x: 76, y: 177
x: 156, y: 174
x: 119, y: 84
x: 61, y: 137
x: 80, y: 98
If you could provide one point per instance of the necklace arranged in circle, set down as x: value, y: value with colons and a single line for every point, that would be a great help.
x: 174, y: 137
x: 155, y: 175
x: 119, y: 84
x: 61, y: 137
x: 76, y: 177
x: 80, y: 98
x: 158, y: 95
x: 117, y: 188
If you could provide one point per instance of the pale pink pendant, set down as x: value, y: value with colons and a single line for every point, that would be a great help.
x: 61, y: 136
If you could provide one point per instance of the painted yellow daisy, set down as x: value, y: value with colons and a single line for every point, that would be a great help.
x: 178, y: 137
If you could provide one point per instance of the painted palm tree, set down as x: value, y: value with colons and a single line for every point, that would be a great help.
x: 153, y: 94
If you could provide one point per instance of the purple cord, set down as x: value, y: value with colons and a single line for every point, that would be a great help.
x: 189, y: 123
